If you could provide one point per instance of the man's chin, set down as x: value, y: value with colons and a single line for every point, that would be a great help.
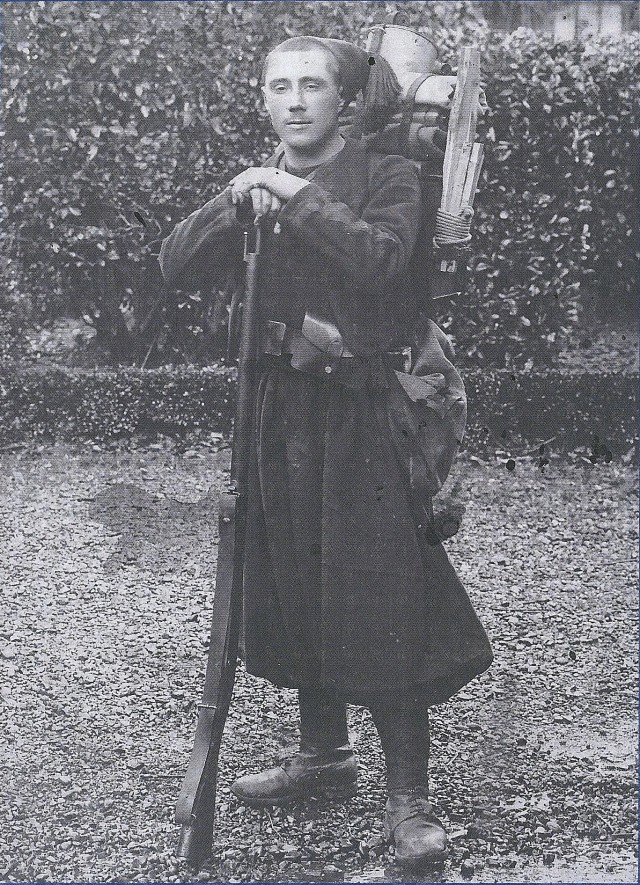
x: 302, y: 141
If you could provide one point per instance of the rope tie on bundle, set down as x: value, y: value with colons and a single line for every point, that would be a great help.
x: 452, y: 230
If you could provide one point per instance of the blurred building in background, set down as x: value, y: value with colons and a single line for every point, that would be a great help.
x: 565, y: 19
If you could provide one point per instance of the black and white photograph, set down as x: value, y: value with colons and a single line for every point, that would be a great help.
x: 319, y: 328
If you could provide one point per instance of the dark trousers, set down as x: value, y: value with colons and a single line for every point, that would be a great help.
x: 404, y: 734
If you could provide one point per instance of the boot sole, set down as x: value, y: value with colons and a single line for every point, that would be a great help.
x: 332, y: 794
x: 419, y: 863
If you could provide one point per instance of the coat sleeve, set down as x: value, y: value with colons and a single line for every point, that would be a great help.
x: 372, y: 249
x: 201, y: 249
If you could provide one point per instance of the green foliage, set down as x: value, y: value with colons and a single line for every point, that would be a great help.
x: 122, y: 118
x: 15, y: 310
x: 508, y: 411
x: 556, y: 210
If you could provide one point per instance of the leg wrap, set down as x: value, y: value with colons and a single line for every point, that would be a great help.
x: 323, y: 720
x: 405, y: 743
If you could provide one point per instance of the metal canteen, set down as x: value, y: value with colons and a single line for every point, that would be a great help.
x: 408, y: 53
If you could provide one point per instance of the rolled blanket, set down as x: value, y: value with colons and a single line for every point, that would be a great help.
x: 453, y: 230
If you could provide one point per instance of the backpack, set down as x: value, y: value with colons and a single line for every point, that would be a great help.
x: 426, y: 407
x: 417, y: 131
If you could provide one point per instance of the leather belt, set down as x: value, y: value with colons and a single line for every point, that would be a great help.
x: 278, y: 338
x: 289, y: 342
x: 291, y: 348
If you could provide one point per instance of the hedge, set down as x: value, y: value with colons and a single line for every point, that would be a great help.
x: 507, y: 411
x: 121, y: 118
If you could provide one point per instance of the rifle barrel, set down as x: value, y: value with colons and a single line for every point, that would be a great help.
x: 196, y: 803
x: 246, y: 369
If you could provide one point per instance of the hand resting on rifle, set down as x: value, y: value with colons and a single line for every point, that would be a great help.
x: 268, y: 189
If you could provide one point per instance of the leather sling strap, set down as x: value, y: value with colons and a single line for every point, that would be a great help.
x: 409, y: 107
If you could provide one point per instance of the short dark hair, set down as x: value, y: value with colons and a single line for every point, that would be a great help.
x: 304, y: 44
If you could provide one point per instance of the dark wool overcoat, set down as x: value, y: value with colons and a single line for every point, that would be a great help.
x: 339, y: 586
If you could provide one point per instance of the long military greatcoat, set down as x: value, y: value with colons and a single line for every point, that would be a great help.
x: 339, y: 586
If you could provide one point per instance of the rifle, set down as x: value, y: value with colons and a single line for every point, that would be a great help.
x: 196, y: 803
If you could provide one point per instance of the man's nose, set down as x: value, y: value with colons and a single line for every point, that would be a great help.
x: 296, y: 98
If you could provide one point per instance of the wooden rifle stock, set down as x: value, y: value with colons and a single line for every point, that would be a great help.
x: 196, y: 803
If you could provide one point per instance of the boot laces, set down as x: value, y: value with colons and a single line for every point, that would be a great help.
x: 420, y: 804
x: 310, y: 760
x: 295, y: 760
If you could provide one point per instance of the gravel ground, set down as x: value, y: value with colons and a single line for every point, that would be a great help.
x: 106, y: 564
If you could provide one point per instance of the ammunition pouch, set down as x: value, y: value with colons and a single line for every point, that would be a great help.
x: 319, y: 349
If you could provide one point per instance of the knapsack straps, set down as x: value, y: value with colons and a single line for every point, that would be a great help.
x: 409, y: 107
x: 357, y: 127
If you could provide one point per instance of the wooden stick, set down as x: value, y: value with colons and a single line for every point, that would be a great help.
x: 473, y: 174
x: 458, y: 178
x: 462, y: 123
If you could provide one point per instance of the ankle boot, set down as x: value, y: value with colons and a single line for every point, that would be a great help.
x: 413, y: 828
x: 324, y: 767
x: 307, y: 775
x: 410, y: 823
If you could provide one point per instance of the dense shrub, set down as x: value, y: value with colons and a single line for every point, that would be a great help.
x: 122, y: 118
x: 15, y: 312
x: 509, y: 411
x: 556, y: 213
x: 12, y: 327
x: 103, y: 404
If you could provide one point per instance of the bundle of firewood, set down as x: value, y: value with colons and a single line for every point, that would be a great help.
x: 463, y: 156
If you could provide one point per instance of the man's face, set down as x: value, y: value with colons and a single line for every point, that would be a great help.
x: 303, y: 99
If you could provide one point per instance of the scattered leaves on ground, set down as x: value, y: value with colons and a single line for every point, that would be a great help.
x: 107, y: 561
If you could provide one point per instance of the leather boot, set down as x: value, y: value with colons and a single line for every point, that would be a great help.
x: 307, y: 775
x: 413, y: 828
x: 410, y: 823
x: 325, y: 766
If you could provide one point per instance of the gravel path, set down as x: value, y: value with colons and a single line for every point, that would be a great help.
x: 106, y: 564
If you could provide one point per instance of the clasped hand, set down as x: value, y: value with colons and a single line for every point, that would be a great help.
x: 268, y: 188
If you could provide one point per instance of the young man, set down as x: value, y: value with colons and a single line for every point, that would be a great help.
x: 343, y: 598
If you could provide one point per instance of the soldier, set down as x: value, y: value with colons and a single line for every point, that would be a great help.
x: 343, y: 601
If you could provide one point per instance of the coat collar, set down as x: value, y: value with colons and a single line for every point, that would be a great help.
x: 349, y: 152
x: 336, y: 173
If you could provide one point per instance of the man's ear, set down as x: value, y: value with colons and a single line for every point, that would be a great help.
x: 263, y: 90
x: 343, y: 103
